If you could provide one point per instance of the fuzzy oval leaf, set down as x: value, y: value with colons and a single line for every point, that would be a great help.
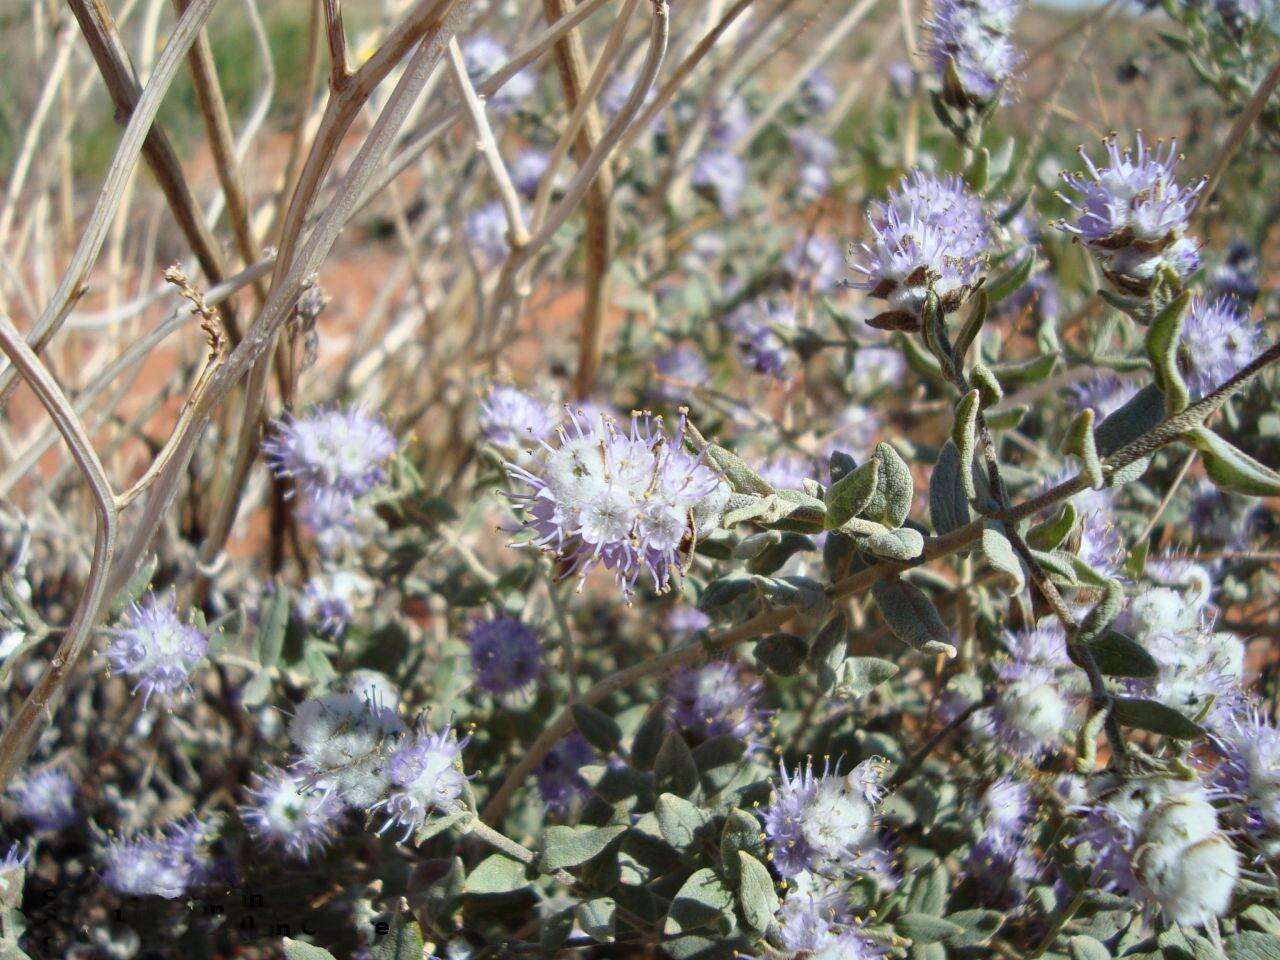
x: 948, y: 501
x: 1119, y: 656
x: 703, y: 901
x: 1163, y: 336
x: 926, y: 928
x: 496, y: 873
x: 1000, y: 554
x: 756, y: 893
x: 679, y: 821
x: 858, y: 676
x: 1144, y: 410
x: 596, y: 918
x: 851, y: 494
x: 741, y: 833
x: 891, y: 501
x: 674, y: 768
x: 297, y: 950
x: 1230, y: 468
x: 1154, y: 716
x: 964, y: 437
x: 573, y: 846
x: 598, y: 728
x: 783, y: 653
x: 912, y: 617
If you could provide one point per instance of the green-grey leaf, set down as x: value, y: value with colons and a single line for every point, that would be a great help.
x: 1000, y: 554
x: 901, y: 544
x: 596, y: 918
x: 404, y: 941
x: 703, y: 901
x: 1144, y: 410
x: 929, y: 891
x: 1119, y: 656
x: 987, y: 383
x: 1081, y: 443
x: 1087, y: 948
x: 297, y: 950
x: 1013, y: 376
x: 674, y: 769
x: 496, y: 873
x: 1231, y: 468
x: 1154, y: 716
x: 741, y: 833
x: 851, y: 494
x: 1163, y: 336
x: 756, y: 893
x: 912, y: 617
x: 891, y: 501
x: 783, y: 653
x: 964, y: 436
x: 858, y: 676
x: 1251, y: 945
x: 1049, y: 534
x: 976, y: 927
x: 926, y: 928
x: 948, y: 502
x: 598, y: 728
x: 1012, y: 279
x: 564, y: 847
x: 269, y: 640
x: 679, y: 821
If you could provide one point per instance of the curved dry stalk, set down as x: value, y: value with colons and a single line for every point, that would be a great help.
x: 71, y: 285
x: 21, y: 732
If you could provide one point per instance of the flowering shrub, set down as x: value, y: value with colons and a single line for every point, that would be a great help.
x: 744, y: 484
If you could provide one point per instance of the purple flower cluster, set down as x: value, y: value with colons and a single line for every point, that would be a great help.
x: 631, y: 501
x: 1250, y: 744
x: 816, y: 262
x: 930, y: 234
x: 512, y: 418
x: 424, y: 775
x: 1002, y: 862
x: 1104, y: 394
x: 716, y: 700
x: 343, y: 449
x: 483, y: 55
x: 817, y: 921
x: 1033, y: 711
x: 331, y: 599
x: 285, y: 814
x: 46, y: 799
x: 1219, y: 338
x: 168, y: 864
x: 1158, y: 841
x: 755, y: 327
x: 506, y: 656
x: 156, y: 649
x: 1132, y: 214
x: 558, y: 775
x: 819, y: 822
x: 486, y: 228
x: 680, y: 368
x: 723, y: 176
x: 973, y: 37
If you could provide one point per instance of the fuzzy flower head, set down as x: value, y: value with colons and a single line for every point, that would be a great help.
x: 632, y: 502
x: 341, y: 448
x: 1237, y: 276
x: 1250, y: 744
x: 168, y: 864
x: 1104, y: 394
x: 486, y: 228
x: 723, y: 176
x: 816, y: 920
x: 945, y: 201
x: 818, y: 822
x: 755, y: 328
x: 331, y: 599
x: 425, y: 775
x: 483, y: 56
x: 1219, y: 338
x: 155, y: 649
x: 47, y: 799
x: 527, y: 171
x: 286, y: 815
x: 1032, y: 715
x: 680, y: 369
x: 343, y: 738
x: 971, y: 37
x: 906, y: 259
x: 512, y: 418
x: 1132, y: 214
x: 339, y: 522
x: 715, y: 700
x: 559, y: 777
x: 506, y: 656
x: 1158, y: 841
x: 684, y: 621
x: 817, y: 263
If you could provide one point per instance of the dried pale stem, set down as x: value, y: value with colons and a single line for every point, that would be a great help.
x: 23, y: 729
